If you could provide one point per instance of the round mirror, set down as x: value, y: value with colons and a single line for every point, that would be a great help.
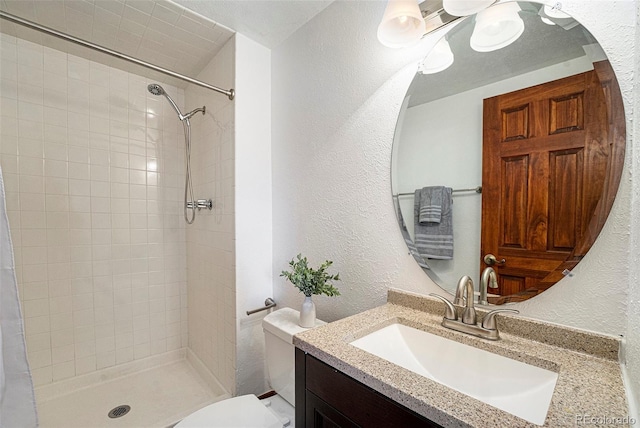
x: 508, y: 160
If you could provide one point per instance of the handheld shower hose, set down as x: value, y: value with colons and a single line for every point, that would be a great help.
x: 189, y: 201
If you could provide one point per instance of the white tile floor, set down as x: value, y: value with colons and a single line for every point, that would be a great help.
x: 159, y: 397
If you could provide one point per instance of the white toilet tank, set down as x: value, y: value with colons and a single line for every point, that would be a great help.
x: 279, y: 327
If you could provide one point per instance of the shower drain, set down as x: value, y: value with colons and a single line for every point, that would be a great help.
x: 119, y: 411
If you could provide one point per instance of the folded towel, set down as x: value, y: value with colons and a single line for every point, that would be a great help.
x: 431, y: 204
x: 435, y: 240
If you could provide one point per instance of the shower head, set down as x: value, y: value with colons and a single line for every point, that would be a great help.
x: 156, y: 89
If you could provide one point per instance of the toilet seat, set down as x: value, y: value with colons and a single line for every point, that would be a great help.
x: 245, y: 411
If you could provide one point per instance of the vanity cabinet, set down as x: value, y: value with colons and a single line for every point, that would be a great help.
x: 327, y: 398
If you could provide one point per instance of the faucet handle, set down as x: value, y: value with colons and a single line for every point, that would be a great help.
x: 450, y: 311
x: 489, y: 320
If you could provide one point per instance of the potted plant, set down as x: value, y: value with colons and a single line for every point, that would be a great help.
x: 310, y: 281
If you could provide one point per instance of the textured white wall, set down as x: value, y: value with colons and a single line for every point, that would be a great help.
x: 331, y: 156
x: 211, y: 237
x: 633, y: 327
x: 336, y: 97
x: 253, y: 208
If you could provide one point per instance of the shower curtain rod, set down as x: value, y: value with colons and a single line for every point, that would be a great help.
x: 34, y: 26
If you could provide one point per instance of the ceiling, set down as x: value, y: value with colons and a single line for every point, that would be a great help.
x: 182, y: 37
x: 267, y: 22
x: 185, y: 35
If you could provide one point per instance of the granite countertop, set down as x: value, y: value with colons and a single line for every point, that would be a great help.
x: 589, y: 376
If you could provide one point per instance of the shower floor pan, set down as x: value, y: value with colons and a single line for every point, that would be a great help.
x: 159, y: 397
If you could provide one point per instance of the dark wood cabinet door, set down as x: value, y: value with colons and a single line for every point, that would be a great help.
x: 326, y: 397
x: 321, y: 415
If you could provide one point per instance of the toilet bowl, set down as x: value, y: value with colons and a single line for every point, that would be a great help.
x: 247, y: 411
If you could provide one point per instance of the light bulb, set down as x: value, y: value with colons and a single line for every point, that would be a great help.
x: 497, y: 27
x: 440, y: 58
x: 465, y: 7
x: 402, y: 24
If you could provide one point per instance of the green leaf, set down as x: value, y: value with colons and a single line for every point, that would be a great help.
x: 311, y: 281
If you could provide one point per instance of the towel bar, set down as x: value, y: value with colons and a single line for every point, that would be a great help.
x: 268, y: 304
x: 475, y: 189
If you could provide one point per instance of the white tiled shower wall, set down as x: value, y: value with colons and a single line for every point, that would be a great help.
x: 93, y: 170
x: 211, y: 238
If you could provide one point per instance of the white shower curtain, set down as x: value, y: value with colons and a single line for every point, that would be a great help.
x: 17, y: 400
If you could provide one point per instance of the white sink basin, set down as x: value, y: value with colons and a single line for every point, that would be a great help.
x: 515, y: 387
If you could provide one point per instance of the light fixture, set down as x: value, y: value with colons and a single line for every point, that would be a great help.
x: 439, y: 59
x: 465, y: 7
x: 497, y: 27
x: 402, y: 24
x: 405, y: 22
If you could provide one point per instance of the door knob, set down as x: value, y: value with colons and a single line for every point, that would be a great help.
x: 490, y: 260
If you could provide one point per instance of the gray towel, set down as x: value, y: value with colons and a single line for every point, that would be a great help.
x: 431, y: 204
x: 407, y: 239
x: 434, y: 240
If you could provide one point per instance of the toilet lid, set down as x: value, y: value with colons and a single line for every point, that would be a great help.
x: 245, y: 411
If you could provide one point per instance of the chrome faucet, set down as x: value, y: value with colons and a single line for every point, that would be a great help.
x: 461, y: 291
x: 488, y: 279
x: 488, y: 329
x: 469, y: 313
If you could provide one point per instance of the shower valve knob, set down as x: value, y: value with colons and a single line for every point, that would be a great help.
x: 200, y: 204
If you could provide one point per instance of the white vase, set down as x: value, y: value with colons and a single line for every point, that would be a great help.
x: 308, y: 313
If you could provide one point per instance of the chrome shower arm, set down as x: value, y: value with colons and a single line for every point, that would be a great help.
x: 202, y: 109
x: 174, y: 105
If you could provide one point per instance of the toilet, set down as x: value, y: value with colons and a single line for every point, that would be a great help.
x: 247, y: 411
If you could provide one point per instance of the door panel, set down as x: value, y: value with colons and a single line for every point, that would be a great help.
x: 566, y: 113
x: 515, y: 171
x: 545, y: 162
x: 565, y: 202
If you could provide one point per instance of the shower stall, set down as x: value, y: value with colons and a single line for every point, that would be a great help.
x: 117, y: 291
